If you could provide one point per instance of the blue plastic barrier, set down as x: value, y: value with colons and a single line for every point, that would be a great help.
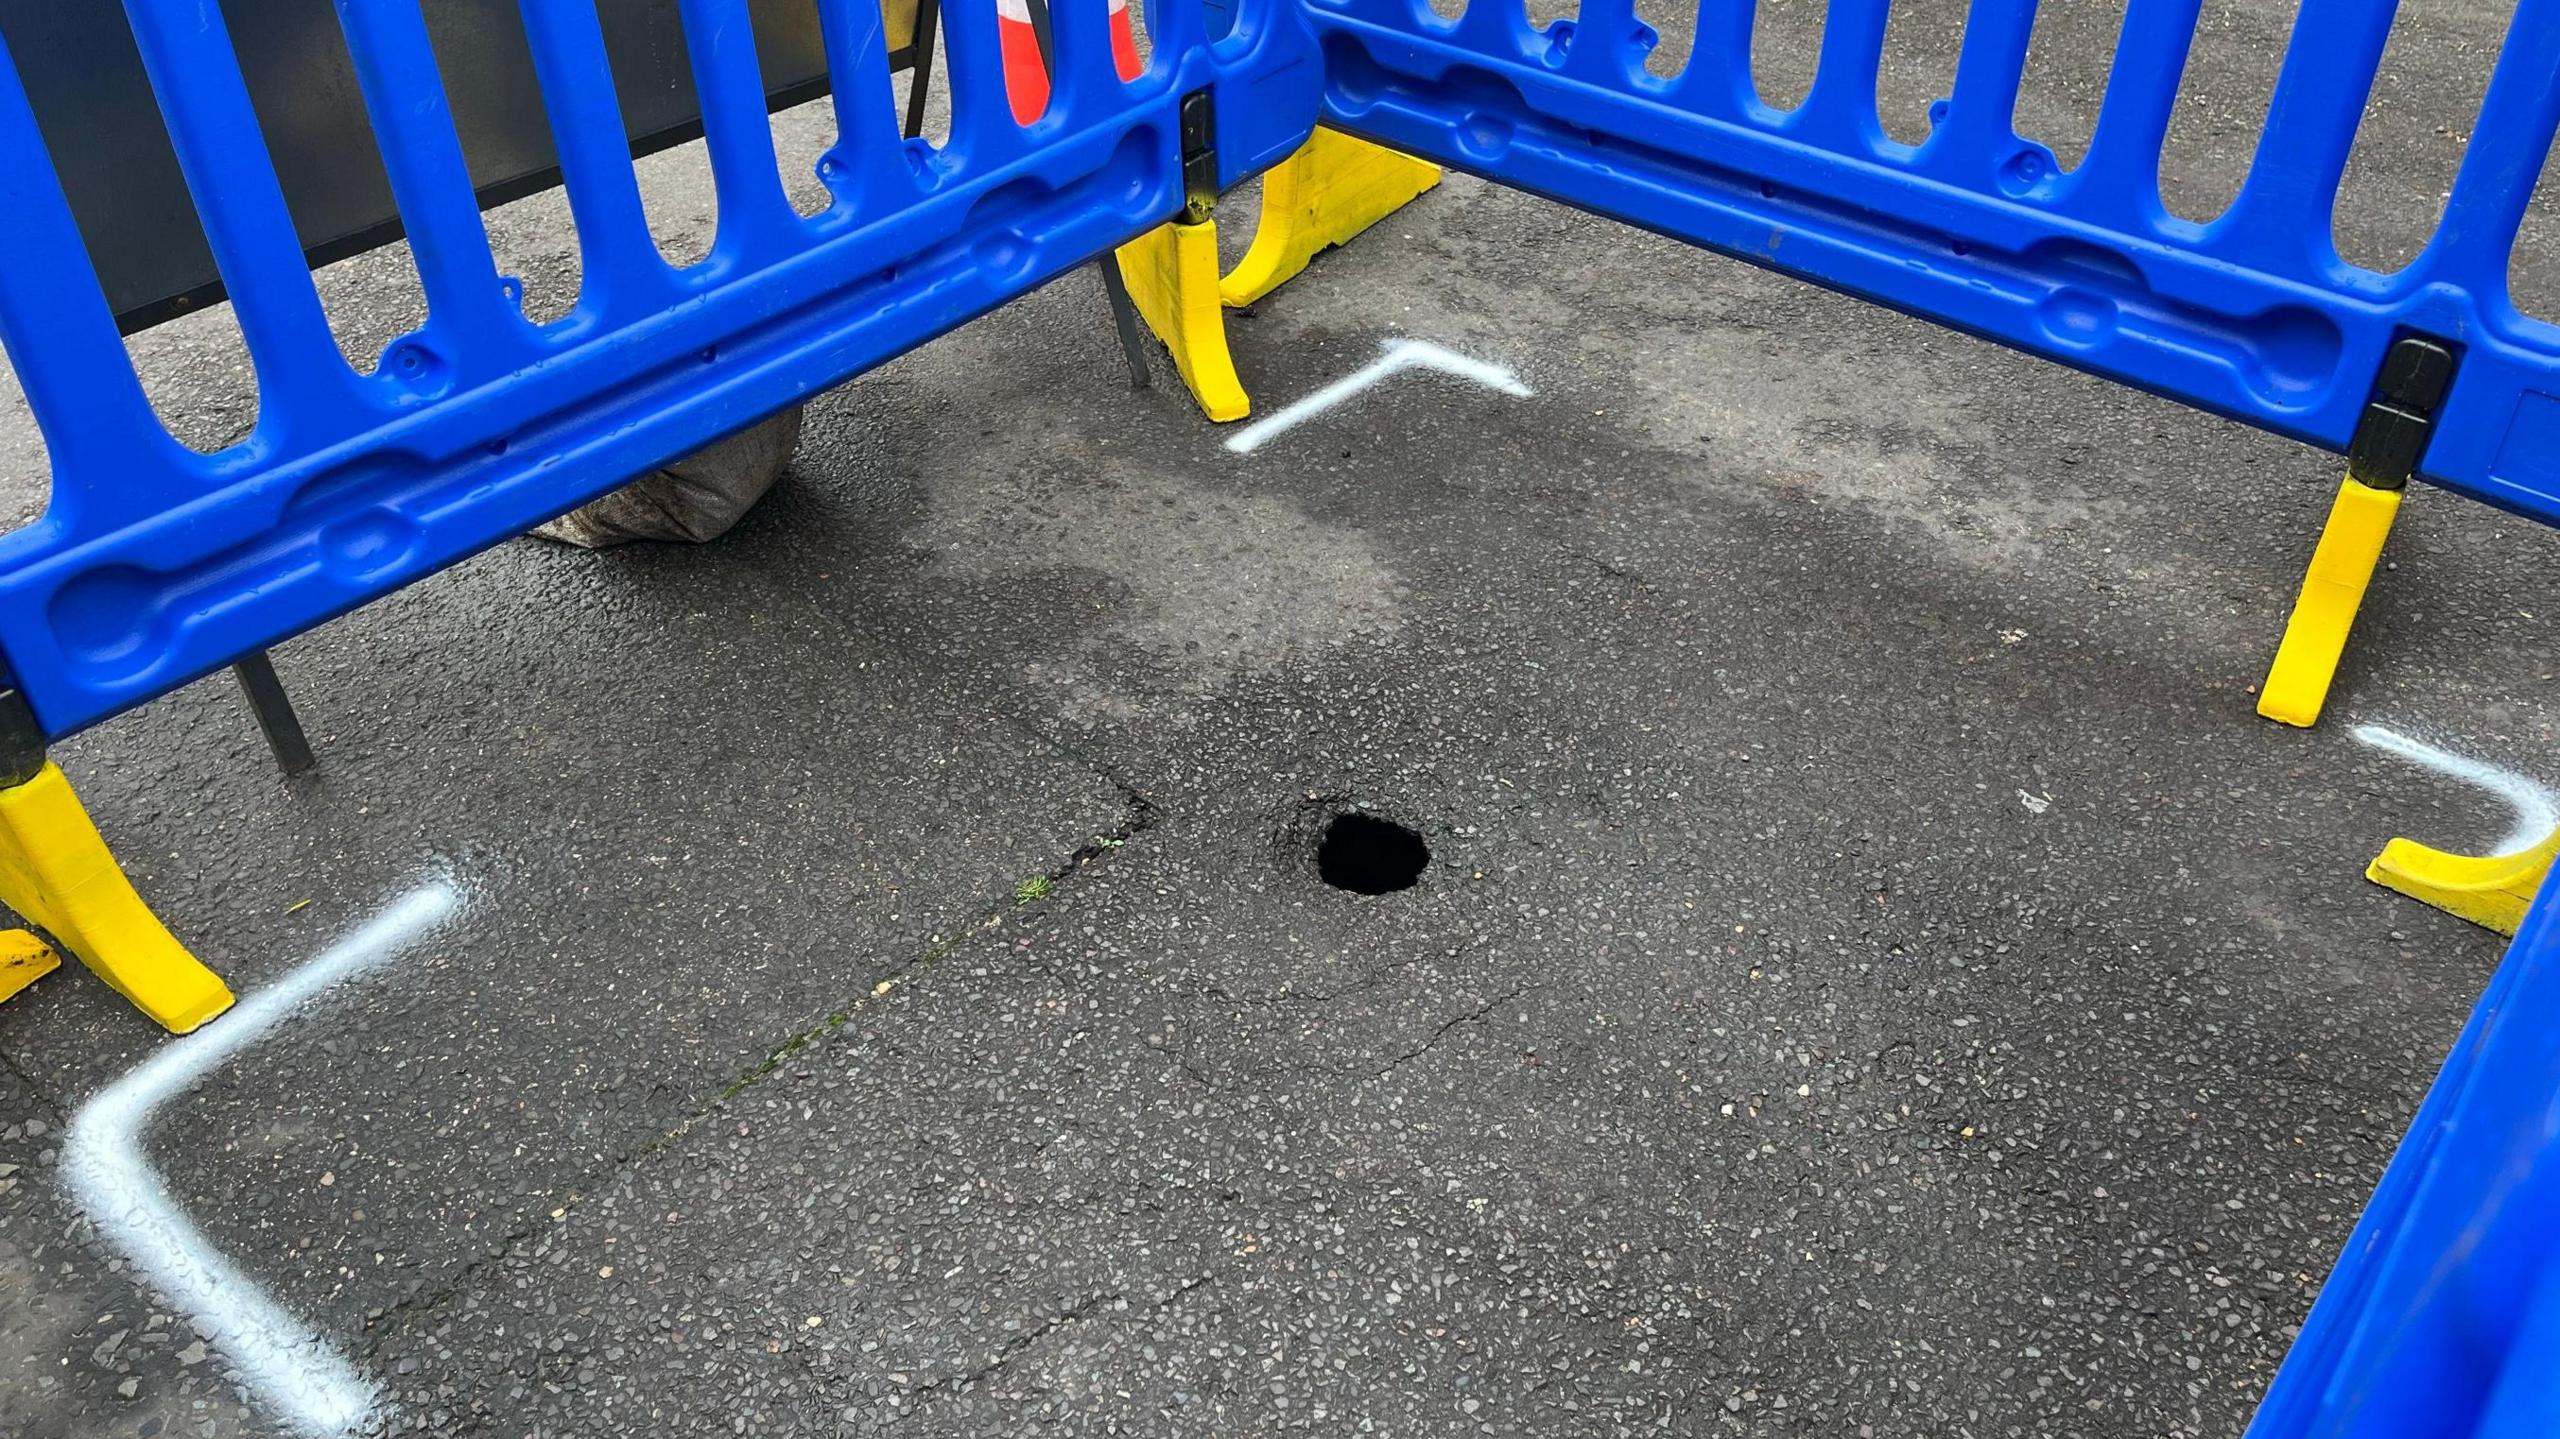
x: 154, y: 564
x: 2253, y: 315
x: 2442, y: 1316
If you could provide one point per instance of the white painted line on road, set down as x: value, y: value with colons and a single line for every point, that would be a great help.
x: 1400, y: 355
x: 281, y: 1357
x: 2537, y: 810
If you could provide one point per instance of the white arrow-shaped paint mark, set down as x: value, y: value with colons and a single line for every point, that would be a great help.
x: 281, y: 1357
x: 1399, y: 356
x: 2537, y: 812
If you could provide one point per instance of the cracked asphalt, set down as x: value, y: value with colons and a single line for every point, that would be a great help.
x: 1875, y: 975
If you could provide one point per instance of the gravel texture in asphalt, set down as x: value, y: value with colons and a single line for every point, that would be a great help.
x: 1873, y: 973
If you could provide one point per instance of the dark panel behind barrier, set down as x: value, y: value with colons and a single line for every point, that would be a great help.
x: 103, y: 126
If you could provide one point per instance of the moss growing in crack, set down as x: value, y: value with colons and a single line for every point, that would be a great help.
x: 1032, y: 890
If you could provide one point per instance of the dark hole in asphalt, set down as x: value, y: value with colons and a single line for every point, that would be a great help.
x: 1368, y: 855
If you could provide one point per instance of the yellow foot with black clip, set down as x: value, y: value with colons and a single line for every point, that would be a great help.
x: 1333, y: 188
x: 2489, y: 890
x: 55, y: 871
x: 2382, y: 456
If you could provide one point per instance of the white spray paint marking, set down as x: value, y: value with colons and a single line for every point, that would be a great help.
x: 2537, y: 811
x: 289, y: 1364
x: 1400, y: 355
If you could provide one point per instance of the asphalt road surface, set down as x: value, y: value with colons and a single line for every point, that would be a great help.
x: 1873, y: 975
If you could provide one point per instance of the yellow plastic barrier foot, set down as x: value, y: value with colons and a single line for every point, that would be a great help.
x: 1332, y: 189
x: 56, y: 872
x: 2489, y: 890
x: 24, y: 959
x: 2341, y: 566
x: 1172, y: 272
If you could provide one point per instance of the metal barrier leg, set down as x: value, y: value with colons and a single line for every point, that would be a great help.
x: 2492, y: 891
x: 1115, y: 286
x: 274, y: 709
x: 1124, y: 318
x: 2332, y: 588
x: 55, y: 870
x: 1173, y: 280
x: 1335, y: 187
x: 920, y: 80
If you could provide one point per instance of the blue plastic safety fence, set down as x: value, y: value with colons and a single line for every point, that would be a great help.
x: 2441, y: 1319
x: 154, y: 564
x: 2253, y: 315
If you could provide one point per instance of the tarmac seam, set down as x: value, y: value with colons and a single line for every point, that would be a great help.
x: 1141, y: 815
x: 1277, y: 999
x: 1474, y: 1016
x: 1443, y: 1031
x: 1013, y: 1348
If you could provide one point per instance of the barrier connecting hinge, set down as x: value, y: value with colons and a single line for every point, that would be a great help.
x: 1199, y: 157
x: 2392, y: 434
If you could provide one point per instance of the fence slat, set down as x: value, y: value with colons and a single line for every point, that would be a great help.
x: 2120, y: 179
x: 2510, y: 144
x: 1979, y: 130
x: 621, y: 274
x: 431, y: 182
x: 303, y: 382
x: 982, y: 124
x: 2280, y: 221
x: 1717, y: 80
x: 1601, y: 51
x: 866, y: 155
x: 1840, y: 109
x: 107, y: 447
x: 756, y: 218
x: 1088, y: 73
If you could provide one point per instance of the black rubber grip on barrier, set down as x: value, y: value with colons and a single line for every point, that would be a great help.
x: 2391, y: 435
x: 1199, y: 157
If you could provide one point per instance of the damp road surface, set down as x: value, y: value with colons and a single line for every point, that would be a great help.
x: 1731, y: 887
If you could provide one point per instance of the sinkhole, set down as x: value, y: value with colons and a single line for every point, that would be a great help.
x: 1364, y: 854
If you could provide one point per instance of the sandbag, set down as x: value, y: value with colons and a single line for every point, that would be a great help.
x: 694, y: 500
